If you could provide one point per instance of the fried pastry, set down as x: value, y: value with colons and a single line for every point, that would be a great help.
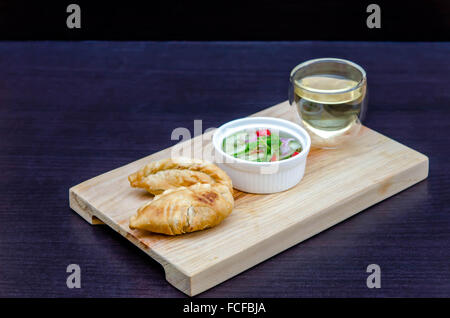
x: 185, y: 209
x: 166, y: 174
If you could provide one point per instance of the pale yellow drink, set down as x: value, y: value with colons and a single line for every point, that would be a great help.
x: 329, y: 107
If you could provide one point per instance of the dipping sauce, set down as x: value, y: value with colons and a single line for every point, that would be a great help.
x: 261, y: 145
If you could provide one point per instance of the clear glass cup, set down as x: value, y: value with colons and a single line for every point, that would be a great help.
x: 330, y: 99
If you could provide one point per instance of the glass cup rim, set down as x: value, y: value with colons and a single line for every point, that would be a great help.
x: 330, y: 59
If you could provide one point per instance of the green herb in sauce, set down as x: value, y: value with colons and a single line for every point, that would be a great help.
x: 261, y: 145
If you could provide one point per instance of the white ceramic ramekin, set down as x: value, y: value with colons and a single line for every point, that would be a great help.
x: 262, y: 177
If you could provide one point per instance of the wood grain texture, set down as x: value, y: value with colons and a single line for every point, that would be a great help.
x: 337, y: 184
x: 70, y: 111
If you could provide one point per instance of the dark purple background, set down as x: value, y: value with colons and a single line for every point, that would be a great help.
x: 71, y: 111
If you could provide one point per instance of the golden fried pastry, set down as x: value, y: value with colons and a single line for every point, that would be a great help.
x: 166, y: 174
x: 185, y: 209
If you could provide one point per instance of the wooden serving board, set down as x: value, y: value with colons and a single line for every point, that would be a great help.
x: 337, y: 184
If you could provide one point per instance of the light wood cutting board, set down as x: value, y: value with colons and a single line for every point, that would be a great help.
x: 337, y: 184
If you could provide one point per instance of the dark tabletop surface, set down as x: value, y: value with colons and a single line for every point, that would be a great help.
x: 71, y: 111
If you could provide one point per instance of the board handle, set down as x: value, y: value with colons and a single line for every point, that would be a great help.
x: 83, y: 209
